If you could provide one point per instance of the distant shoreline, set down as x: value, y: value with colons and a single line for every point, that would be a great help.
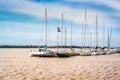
x: 36, y: 46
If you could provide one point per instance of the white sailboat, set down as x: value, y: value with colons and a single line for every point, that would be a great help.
x: 85, y: 51
x: 72, y: 51
x: 109, y: 50
x: 109, y: 40
x: 62, y: 54
x: 103, y: 43
x: 97, y: 50
x: 43, y: 52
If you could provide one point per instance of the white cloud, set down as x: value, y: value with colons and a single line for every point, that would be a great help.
x: 54, y: 11
x: 113, y: 4
x: 110, y: 3
x: 18, y: 29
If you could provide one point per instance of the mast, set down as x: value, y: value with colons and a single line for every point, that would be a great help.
x: 46, y: 27
x: 90, y: 39
x: 110, y: 36
x: 108, y: 39
x: 62, y: 31
x: 96, y: 32
x: 82, y: 35
x: 48, y: 32
x: 57, y: 41
x: 57, y: 38
x: 103, y: 35
x: 85, y: 29
x: 71, y: 34
x: 65, y: 38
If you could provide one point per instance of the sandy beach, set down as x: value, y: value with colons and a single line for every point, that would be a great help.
x: 16, y: 64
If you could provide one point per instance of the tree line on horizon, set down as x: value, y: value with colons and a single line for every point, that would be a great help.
x: 36, y: 46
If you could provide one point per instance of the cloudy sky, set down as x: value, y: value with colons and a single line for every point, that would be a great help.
x: 22, y: 22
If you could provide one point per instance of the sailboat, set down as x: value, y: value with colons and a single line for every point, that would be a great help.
x: 85, y: 51
x: 97, y: 50
x: 72, y: 51
x: 103, y: 52
x: 43, y: 52
x: 63, y: 54
x: 109, y: 40
x: 103, y: 37
x: 108, y: 50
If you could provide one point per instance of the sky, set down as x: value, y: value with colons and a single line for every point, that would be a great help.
x: 22, y: 22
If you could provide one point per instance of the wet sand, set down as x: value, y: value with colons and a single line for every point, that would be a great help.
x: 16, y: 64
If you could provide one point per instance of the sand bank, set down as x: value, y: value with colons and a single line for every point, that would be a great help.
x: 16, y: 64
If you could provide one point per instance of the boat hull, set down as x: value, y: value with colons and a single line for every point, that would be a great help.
x: 85, y: 52
x: 62, y: 55
x: 37, y: 53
